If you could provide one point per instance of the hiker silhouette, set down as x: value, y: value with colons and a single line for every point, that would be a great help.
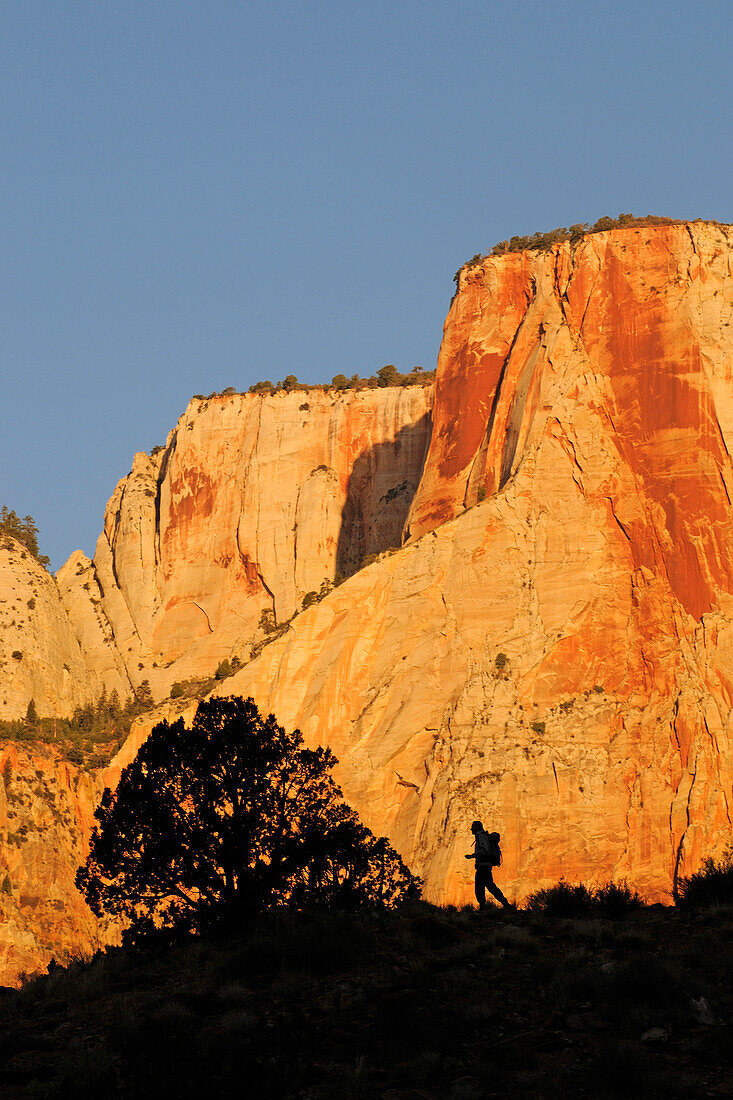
x: 487, y: 855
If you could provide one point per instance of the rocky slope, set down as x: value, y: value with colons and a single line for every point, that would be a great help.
x: 46, y: 808
x: 553, y: 651
x: 253, y: 503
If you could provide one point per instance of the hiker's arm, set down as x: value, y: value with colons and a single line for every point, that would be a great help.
x: 471, y: 855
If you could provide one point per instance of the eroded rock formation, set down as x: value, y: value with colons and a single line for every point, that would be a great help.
x: 254, y: 502
x: 39, y: 655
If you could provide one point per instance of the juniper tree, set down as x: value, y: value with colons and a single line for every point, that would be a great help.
x: 227, y: 818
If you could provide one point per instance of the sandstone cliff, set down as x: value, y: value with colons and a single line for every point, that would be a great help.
x: 553, y: 651
x: 552, y: 647
x: 39, y: 655
x: 254, y: 502
x: 46, y: 808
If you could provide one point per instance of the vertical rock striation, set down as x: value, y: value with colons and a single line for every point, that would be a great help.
x: 46, y: 808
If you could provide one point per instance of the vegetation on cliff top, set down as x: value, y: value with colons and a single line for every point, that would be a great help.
x: 385, y: 376
x: 542, y: 242
x: 23, y: 531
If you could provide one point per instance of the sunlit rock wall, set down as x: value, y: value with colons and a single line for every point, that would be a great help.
x: 254, y: 502
x: 46, y: 807
x: 40, y: 658
x: 553, y: 650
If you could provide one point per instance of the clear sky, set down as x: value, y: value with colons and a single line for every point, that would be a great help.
x: 199, y: 195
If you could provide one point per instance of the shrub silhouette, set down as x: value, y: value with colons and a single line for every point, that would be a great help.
x: 561, y: 900
x: 613, y: 899
x: 224, y: 820
x: 616, y: 900
x: 713, y: 885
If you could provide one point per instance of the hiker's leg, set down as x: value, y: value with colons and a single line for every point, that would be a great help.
x: 494, y: 889
x: 480, y: 887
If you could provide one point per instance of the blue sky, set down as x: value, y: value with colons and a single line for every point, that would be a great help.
x: 199, y: 195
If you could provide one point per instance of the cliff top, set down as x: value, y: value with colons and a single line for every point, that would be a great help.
x: 387, y: 377
x: 544, y: 241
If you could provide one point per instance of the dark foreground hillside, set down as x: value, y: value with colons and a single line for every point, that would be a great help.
x: 421, y: 1004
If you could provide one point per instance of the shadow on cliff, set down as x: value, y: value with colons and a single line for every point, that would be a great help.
x: 381, y: 488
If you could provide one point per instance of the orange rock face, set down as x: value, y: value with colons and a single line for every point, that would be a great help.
x: 552, y: 651
x: 253, y: 503
x: 645, y: 313
x: 46, y: 808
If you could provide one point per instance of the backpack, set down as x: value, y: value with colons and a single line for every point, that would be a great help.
x: 488, y: 851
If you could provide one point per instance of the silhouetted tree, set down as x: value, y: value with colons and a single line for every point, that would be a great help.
x: 229, y: 818
x: 31, y: 715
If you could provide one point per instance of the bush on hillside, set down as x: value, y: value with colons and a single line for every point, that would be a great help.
x: 613, y: 899
x: 388, y: 376
x: 711, y: 885
x: 229, y: 818
x: 616, y: 900
x: 561, y: 900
